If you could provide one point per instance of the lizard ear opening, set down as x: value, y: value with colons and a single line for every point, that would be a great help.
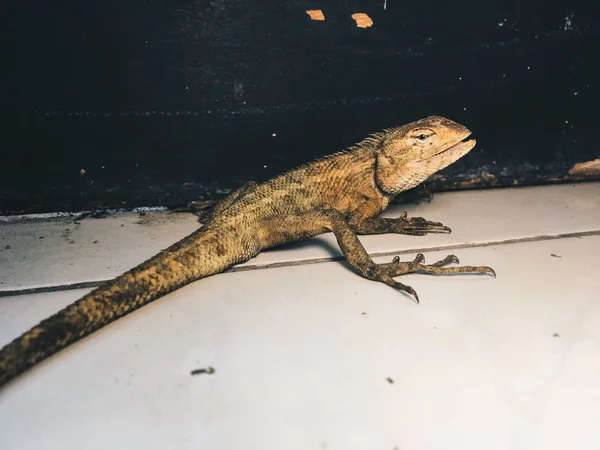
x: 387, y: 175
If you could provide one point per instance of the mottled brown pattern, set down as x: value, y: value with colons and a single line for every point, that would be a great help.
x: 342, y: 193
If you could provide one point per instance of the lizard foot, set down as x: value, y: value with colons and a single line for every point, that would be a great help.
x: 397, y: 268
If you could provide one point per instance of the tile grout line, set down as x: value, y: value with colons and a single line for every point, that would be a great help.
x: 247, y: 268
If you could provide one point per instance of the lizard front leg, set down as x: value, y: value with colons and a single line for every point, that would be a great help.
x: 365, y: 220
x: 397, y: 268
x: 280, y: 230
x: 415, y: 226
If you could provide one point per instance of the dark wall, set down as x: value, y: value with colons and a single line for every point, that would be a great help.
x: 157, y: 102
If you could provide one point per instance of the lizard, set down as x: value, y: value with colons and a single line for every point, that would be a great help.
x: 343, y: 193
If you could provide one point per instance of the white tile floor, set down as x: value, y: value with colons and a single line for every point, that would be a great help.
x: 311, y: 356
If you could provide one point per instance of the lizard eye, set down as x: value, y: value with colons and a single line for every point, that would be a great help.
x: 422, y: 135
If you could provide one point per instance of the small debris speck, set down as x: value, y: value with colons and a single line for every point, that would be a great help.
x: 208, y: 371
x: 556, y: 335
x: 41, y: 237
x: 364, y: 313
x: 71, y: 242
x: 95, y: 242
x: 7, y: 247
x: 555, y: 256
x: 390, y: 380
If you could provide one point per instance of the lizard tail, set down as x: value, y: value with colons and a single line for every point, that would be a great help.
x: 194, y: 257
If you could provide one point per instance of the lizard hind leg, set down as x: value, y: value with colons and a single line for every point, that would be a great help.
x: 207, y: 210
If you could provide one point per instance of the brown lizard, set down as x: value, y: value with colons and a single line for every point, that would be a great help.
x: 342, y: 193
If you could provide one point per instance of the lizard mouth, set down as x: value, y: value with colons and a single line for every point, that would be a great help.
x: 462, y: 145
x: 453, y: 152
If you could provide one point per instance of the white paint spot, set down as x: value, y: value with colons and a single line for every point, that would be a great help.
x: 568, y: 26
x: 274, y: 134
x: 501, y: 24
x: 384, y: 5
x: 186, y: 88
x: 566, y: 121
x: 528, y: 68
x: 464, y: 109
x: 575, y: 93
x: 460, y: 78
x: 265, y: 166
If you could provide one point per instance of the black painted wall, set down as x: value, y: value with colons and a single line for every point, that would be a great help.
x: 123, y: 103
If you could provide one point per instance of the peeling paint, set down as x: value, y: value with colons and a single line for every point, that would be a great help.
x: 586, y: 169
x: 436, y: 177
x: 362, y: 20
x: 485, y: 179
x: 316, y: 14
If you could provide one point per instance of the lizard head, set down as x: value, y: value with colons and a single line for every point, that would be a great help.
x: 408, y: 155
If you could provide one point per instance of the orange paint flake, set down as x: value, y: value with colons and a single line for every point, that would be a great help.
x: 316, y: 14
x: 586, y: 169
x: 362, y: 20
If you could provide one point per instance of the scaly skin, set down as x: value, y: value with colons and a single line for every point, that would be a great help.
x: 342, y: 193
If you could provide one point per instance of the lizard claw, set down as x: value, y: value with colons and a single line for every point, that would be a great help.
x: 407, y: 289
x: 420, y: 258
x: 489, y: 270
